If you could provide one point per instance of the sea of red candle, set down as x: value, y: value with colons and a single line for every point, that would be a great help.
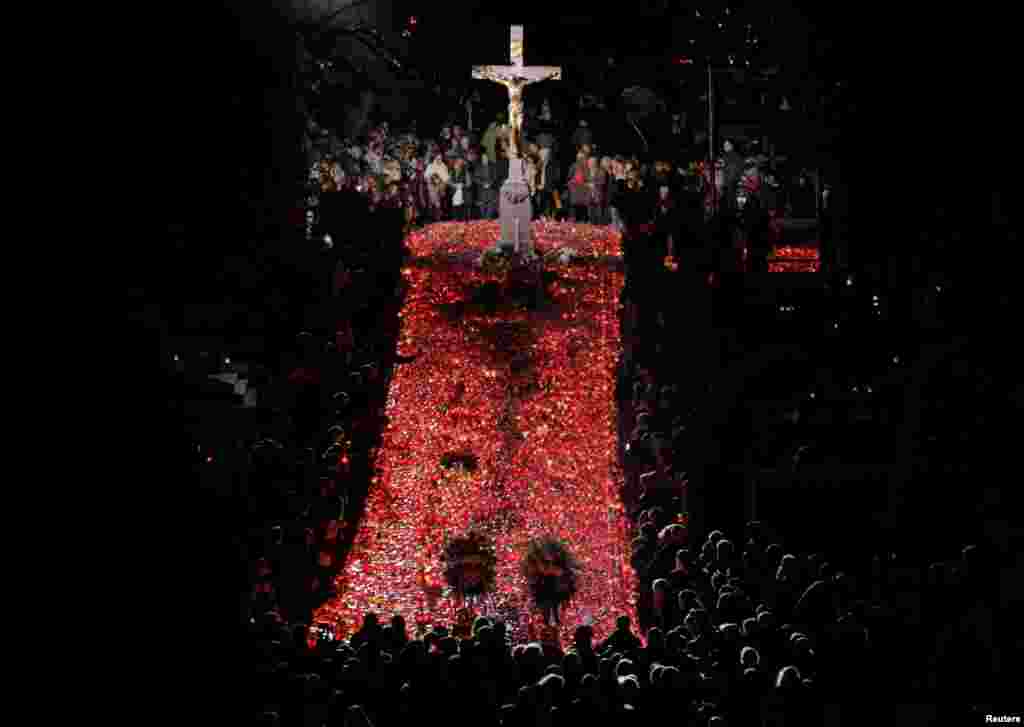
x: 543, y: 435
x: 544, y: 443
x: 794, y: 259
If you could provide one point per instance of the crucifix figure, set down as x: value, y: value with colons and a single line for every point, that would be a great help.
x: 516, y: 210
x: 515, y: 78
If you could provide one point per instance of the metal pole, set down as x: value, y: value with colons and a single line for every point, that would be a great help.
x: 819, y: 213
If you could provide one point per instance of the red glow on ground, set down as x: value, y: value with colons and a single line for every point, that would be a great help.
x: 542, y: 427
x: 543, y: 431
x: 795, y: 259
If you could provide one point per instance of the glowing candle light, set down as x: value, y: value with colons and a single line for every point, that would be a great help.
x: 545, y: 460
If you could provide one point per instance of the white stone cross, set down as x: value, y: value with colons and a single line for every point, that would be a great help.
x: 514, y: 78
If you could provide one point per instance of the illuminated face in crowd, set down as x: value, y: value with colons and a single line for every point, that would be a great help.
x: 465, y: 143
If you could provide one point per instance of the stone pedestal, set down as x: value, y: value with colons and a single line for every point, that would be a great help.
x: 516, y: 210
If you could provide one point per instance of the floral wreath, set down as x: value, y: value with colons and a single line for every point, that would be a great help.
x: 495, y: 261
x: 563, y: 255
x: 469, y: 563
x: 550, y: 556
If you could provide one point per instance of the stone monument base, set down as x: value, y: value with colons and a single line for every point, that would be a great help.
x: 516, y: 211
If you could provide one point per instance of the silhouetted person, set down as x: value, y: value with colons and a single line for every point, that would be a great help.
x: 622, y: 639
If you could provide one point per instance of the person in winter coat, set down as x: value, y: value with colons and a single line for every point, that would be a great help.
x: 496, y: 130
x: 616, y: 181
x: 609, y: 187
x: 547, y: 184
x: 532, y: 168
x: 460, y: 190
x: 437, y: 179
x: 636, y: 206
x: 417, y: 193
x: 598, y: 191
x: 579, y: 191
x: 487, y: 185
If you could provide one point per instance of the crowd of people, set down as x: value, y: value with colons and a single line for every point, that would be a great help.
x: 743, y: 632
x: 721, y: 218
x: 731, y: 629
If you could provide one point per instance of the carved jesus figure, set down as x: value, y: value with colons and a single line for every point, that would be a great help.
x: 515, y: 192
x: 515, y: 78
x: 515, y: 86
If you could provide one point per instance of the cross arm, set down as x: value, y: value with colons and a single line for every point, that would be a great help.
x: 521, y: 74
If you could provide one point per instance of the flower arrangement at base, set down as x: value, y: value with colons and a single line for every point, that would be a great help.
x: 455, y: 460
x: 550, y: 569
x: 469, y: 564
x: 495, y: 262
x: 561, y: 255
